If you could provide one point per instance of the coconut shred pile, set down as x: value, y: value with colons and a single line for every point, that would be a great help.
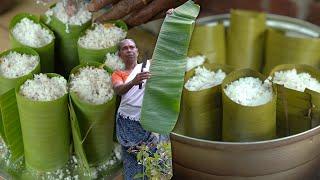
x: 115, y: 157
x: 92, y: 85
x: 14, y: 65
x: 296, y: 81
x: 249, y: 91
x: 114, y: 62
x: 72, y: 170
x: 102, y: 36
x: 64, y: 173
x: 81, y: 17
x: 195, y: 61
x: 31, y: 34
x: 204, y: 79
x: 44, y: 88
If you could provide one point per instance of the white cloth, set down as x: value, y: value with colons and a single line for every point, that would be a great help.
x: 131, y: 102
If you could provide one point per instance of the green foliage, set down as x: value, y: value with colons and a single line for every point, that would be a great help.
x: 157, y: 165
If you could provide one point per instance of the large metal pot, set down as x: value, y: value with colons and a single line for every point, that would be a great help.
x: 293, y: 157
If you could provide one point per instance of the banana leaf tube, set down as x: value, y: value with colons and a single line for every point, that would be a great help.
x: 209, y: 40
x: 77, y: 141
x: 297, y: 111
x: 45, y: 50
x: 10, y: 125
x: 45, y: 129
x: 96, y: 120
x: 67, y: 36
x: 202, y: 109
x: 246, y: 37
x: 98, y: 53
x: 283, y: 48
x: 163, y: 90
x: 10, y: 83
x: 9, y: 79
x: 245, y: 123
x: 192, y: 62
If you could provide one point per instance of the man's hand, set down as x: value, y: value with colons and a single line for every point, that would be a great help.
x: 139, y: 11
x: 140, y: 77
x: 71, y: 7
x: 170, y: 11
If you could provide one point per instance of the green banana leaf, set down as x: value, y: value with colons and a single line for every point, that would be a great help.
x: 284, y: 49
x: 161, y: 104
x: 296, y: 111
x: 66, y: 43
x: 314, y: 111
x: 46, y: 52
x: 96, y: 124
x: 77, y: 141
x: 11, y: 128
x: 209, y: 40
x: 2, y: 134
x: 180, y: 128
x: 9, y: 118
x: 246, y: 37
x: 6, y: 83
x: 247, y: 123
x: 98, y: 55
x: 45, y: 131
x: 202, y: 110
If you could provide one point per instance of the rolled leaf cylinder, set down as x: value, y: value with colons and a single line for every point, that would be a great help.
x: 98, y: 55
x: 209, y: 40
x: 96, y: 124
x: 10, y: 83
x: 314, y: 113
x: 296, y: 111
x: 10, y: 125
x: 45, y: 130
x: 46, y: 52
x: 283, y: 48
x: 202, y: 110
x: 77, y: 141
x: 247, y: 123
x: 246, y: 37
x: 66, y: 42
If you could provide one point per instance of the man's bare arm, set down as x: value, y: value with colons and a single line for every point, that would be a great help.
x: 122, y: 88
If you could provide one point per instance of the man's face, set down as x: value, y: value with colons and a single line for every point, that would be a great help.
x: 128, y: 51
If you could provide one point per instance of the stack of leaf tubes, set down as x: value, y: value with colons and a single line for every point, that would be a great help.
x: 40, y: 131
x: 246, y: 43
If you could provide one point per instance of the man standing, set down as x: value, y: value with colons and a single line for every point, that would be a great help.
x: 129, y: 131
